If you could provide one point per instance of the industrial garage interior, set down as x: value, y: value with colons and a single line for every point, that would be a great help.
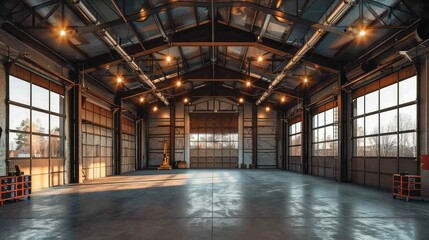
x: 257, y: 119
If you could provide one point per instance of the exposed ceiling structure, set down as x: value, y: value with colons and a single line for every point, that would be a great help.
x: 261, y: 50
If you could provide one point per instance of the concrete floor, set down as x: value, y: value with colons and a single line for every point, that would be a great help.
x: 214, y: 204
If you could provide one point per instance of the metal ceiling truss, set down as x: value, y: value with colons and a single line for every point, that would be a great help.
x: 199, y: 36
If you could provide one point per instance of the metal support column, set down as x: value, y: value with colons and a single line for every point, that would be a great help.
x: 117, y: 139
x: 172, y: 134
x: 343, y: 103
x: 254, y: 135
x: 306, y: 137
x: 75, y: 127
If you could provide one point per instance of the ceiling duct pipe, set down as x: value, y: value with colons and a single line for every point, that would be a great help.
x: 387, y: 50
x: 336, y: 14
x: 115, y: 45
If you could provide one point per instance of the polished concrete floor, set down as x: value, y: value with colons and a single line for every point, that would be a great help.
x: 214, y: 204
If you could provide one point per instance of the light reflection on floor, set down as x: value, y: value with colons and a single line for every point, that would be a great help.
x: 214, y: 204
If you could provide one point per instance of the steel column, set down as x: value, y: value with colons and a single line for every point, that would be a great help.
x: 75, y: 127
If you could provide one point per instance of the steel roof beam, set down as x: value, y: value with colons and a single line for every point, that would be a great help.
x: 166, y: 7
x: 201, y: 36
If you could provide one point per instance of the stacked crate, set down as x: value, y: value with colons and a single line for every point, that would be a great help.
x: 407, y: 186
x: 14, y: 187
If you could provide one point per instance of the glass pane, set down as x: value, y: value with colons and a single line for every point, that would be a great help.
x: 388, y: 96
x: 407, y: 118
x: 40, y: 122
x: 388, y: 121
x: 56, y: 123
x: 371, y: 124
x: 40, y: 97
x: 321, y: 149
x: 389, y: 145
x: 298, y: 139
x: 194, y: 137
x: 314, y: 121
x: 56, y: 147
x: 19, y: 145
x: 315, y: 136
x: 292, y: 129
x: 330, y: 148
x: 210, y: 137
x: 234, y: 137
x: 234, y: 145
x: 358, y: 106
x: 321, y: 135
x: 19, y: 90
x: 329, y: 133
x: 371, y: 146
x: 210, y: 145
x: 408, y: 90
x: 19, y: 118
x: 371, y: 102
x: 202, y: 137
x: 57, y: 103
x: 39, y: 146
x: 359, y: 147
x: 407, y: 145
x: 329, y: 116
x: 194, y: 145
x: 298, y: 127
x: 358, y: 127
x: 292, y: 140
x: 321, y: 119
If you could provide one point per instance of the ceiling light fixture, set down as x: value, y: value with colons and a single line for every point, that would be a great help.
x: 305, y: 79
x: 283, y: 99
x: 119, y: 79
x: 62, y: 33
x: 241, y: 100
x: 141, y: 99
x: 248, y: 83
x: 185, y: 100
x: 362, y: 33
x: 260, y: 58
x: 267, y: 109
x: 179, y: 83
x: 168, y: 58
x: 155, y: 108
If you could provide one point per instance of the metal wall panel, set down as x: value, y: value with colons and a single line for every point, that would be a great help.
x: 97, y: 141
x: 267, y: 139
x: 158, y: 133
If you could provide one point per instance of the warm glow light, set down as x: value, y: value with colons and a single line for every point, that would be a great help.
x: 241, y: 100
x: 178, y: 83
x: 305, y: 79
x: 267, y: 109
x: 141, y: 99
x: 248, y: 83
x: 62, y: 33
x: 260, y: 58
x: 155, y: 108
x: 168, y: 58
x: 362, y: 33
x: 185, y: 100
x: 283, y: 99
x: 119, y: 79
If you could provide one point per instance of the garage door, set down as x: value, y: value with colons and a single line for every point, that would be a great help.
x: 214, y: 140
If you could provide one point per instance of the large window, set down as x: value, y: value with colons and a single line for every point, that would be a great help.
x: 385, y: 119
x: 36, y: 124
x: 295, y: 139
x: 325, y: 131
